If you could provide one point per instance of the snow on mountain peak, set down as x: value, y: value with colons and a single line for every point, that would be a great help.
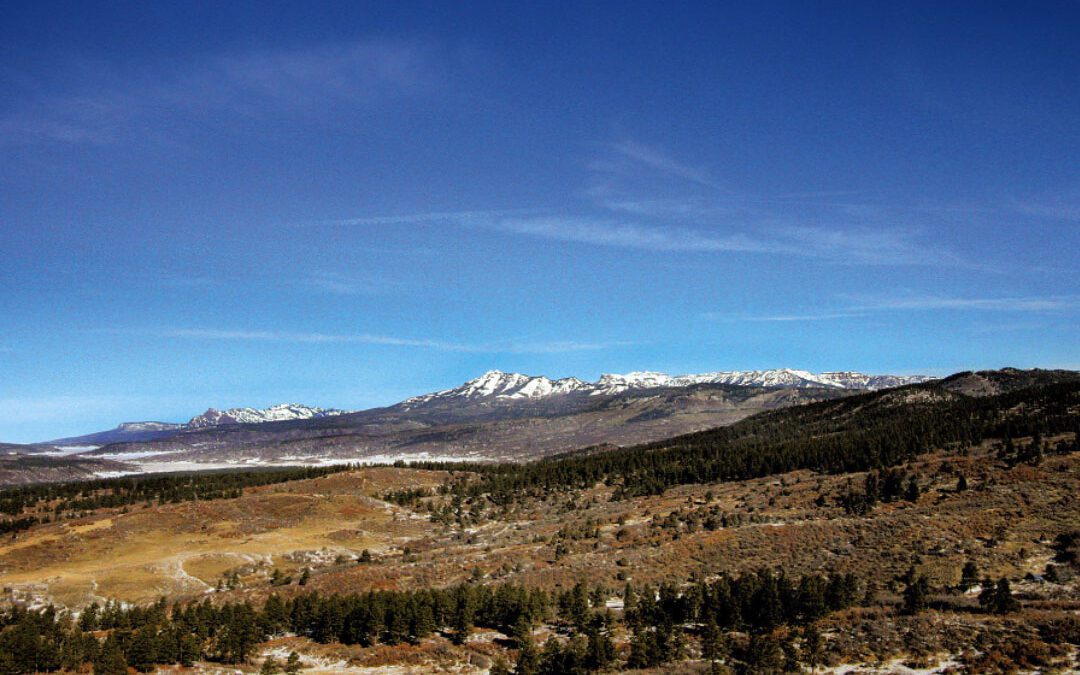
x: 276, y: 413
x: 500, y: 385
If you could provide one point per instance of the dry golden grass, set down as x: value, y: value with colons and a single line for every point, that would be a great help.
x: 180, y: 549
x: 1005, y: 522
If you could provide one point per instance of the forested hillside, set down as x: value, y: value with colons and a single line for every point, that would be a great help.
x: 869, y: 431
x: 922, y: 526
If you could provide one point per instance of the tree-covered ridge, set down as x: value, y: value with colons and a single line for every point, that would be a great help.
x: 662, y: 620
x: 64, y: 498
x: 858, y: 433
x: 762, y: 621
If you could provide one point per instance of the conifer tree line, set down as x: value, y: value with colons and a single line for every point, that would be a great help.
x: 857, y: 433
x: 61, y: 499
x: 113, y: 637
x: 885, y: 486
x: 662, y: 622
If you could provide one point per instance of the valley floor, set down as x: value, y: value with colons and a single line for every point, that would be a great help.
x: 1005, y: 522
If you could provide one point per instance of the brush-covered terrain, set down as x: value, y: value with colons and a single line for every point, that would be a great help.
x: 928, y: 528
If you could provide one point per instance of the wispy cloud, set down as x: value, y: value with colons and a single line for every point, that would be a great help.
x: 1057, y: 209
x: 99, y: 104
x: 860, y: 246
x: 453, y: 217
x: 191, y: 281
x: 301, y: 338
x: 1002, y: 304
x: 663, y: 162
x: 329, y: 282
x: 344, y: 284
x: 870, y: 246
x: 577, y: 229
x: 781, y: 318
x: 867, y: 306
x: 610, y: 233
x: 621, y: 213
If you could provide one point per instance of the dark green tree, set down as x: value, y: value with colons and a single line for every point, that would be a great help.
x: 528, y: 661
x: 916, y: 596
x: 998, y: 597
x: 969, y: 576
x: 912, y: 492
x: 813, y: 647
x: 111, y: 659
x: 270, y: 666
x: 293, y: 665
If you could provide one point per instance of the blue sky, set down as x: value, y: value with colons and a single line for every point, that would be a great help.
x: 221, y: 204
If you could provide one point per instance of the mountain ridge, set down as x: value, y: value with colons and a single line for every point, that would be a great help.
x: 499, y: 384
x: 484, y: 422
x: 504, y: 387
x: 281, y: 412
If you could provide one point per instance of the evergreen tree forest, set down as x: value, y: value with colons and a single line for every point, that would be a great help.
x: 30, y: 504
x: 877, y: 430
x: 662, y: 621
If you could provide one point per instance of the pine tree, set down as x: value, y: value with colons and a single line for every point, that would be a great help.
x: 521, y: 632
x: 574, y: 606
x: 292, y: 665
x: 998, y: 598
x: 911, y: 494
x: 142, y: 653
x: 714, y: 646
x: 599, y: 650
x: 1033, y: 454
x: 270, y: 666
x: 111, y: 659
x: 644, y: 651
x: 422, y: 623
x: 461, y: 621
x: 969, y: 576
x: 813, y: 647
x: 88, y: 620
x: 188, y: 650
x: 916, y: 595
x: 872, y: 490
x: 528, y: 661
x: 765, y: 654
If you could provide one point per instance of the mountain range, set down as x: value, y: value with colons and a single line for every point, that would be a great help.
x: 497, y: 386
x: 148, y: 431
x: 497, y: 416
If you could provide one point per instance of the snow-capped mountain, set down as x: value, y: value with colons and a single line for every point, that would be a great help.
x: 500, y: 394
x: 782, y: 377
x: 505, y: 386
x: 515, y: 386
x: 149, y: 426
x: 279, y: 413
x: 136, y: 432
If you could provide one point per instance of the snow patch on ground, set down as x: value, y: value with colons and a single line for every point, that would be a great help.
x: 129, y: 456
x: 893, y: 667
x: 63, y: 450
x: 310, y: 663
